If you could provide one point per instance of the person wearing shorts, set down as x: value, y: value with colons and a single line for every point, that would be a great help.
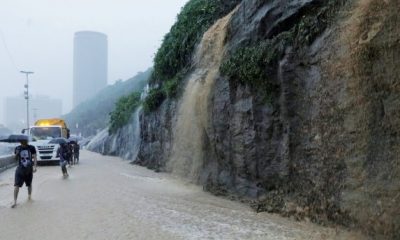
x: 76, y: 152
x: 63, y: 153
x: 26, y: 157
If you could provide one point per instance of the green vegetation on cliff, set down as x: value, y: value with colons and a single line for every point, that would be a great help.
x: 173, y: 59
x: 123, y: 111
x: 252, y: 65
x: 153, y: 100
x: 256, y: 63
x: 93, y: 114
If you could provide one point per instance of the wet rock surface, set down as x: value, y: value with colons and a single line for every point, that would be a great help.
x: 123, y: 143
x: 156, y: 136
x: 325, y: 147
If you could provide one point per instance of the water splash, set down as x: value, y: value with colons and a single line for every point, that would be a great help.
x: 193, y: 114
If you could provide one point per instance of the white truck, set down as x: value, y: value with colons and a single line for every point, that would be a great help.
x: 42, y: 133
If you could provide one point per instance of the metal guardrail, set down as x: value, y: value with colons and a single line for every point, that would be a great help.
x: 7, y: 162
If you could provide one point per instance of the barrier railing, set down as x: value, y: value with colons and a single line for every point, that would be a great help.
x: 7, y: 162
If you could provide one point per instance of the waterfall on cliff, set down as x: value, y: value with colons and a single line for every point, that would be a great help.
x: 124, y: 143
x: 135, y: 135
x: 193, y: 114
x: 97, y: 143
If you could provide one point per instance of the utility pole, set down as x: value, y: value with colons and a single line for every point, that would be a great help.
x: 27, y: 95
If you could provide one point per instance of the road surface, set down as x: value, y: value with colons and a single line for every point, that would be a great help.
x: 107, y: 198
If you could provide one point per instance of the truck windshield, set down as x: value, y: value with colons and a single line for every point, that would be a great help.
x: 44, y: 133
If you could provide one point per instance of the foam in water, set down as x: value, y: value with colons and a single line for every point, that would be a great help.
x: 193, y: 114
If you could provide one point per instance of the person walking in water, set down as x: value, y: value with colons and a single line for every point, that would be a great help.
x: 63, y: 152
x: 26, y: 157
x: 70, y: 154
x: 76, y: 152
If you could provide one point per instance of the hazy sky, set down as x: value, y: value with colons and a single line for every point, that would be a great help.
x: 39, y: 37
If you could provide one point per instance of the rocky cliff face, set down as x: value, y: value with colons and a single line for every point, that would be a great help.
x: 325, y: 144
x: 123, y: 143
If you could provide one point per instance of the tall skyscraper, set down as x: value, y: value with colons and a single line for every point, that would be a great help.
x: 90, y: 65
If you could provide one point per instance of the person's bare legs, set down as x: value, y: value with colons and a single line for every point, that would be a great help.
x: 16, y: 191
x: 30, y: 193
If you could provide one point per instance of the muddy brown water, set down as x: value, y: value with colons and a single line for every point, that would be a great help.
x: 107, y: 198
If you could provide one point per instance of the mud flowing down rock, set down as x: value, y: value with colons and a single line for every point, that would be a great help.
x: 193, y: 114
x: 326, y: 143
x: 371, y: 107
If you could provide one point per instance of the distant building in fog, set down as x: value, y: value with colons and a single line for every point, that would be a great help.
x: 90, y: 65
x: 40, y: 107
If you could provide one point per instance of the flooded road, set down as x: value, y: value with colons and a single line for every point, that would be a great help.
x: 107, y: 198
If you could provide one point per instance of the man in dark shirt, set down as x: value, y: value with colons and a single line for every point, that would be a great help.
x: 26, y: 156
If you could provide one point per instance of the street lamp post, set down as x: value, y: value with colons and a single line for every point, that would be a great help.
x: 27, y: 95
